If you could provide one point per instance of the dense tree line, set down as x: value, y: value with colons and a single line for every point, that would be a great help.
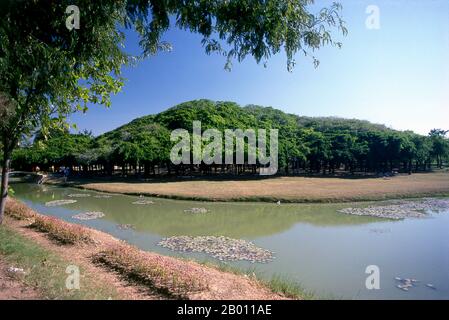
x: 306, y: 145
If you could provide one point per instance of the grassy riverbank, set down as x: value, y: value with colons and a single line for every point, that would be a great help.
x: 44, y: 271
x: 284, y: 189
x: 44, y: 246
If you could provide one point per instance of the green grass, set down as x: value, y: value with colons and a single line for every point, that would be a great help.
x: 277, y: 284
x: 289, y: 288
x: 45, y: 271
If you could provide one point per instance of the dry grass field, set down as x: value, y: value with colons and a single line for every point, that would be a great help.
x: 287, y: 189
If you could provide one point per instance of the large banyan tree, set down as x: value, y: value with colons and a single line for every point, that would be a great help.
x: 48, y: 70
x: 305, y: 145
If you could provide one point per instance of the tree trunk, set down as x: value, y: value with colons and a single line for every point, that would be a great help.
x: 5, y: 183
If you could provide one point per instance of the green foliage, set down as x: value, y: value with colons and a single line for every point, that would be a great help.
x: 48, y: 72
x: 240, y: 28
x: 289, y: 288
x: 440, y: 147
x: 61, y: 149
x: 311, y: 144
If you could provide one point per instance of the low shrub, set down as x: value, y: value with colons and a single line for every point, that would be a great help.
x: 156, y: 272
x: 62, y: 231
x: 18, y: 210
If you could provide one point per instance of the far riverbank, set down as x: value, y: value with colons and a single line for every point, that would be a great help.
x: 284, y: 189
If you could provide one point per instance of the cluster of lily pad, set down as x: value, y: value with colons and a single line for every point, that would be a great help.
x: 88, y: 215
x: 196, y: 210
x: 55, y: 203
x: 70, y: 201
x: 401, y: 209
x: 143, y: 202
x: 380, y: 230
x: 406, y: 283
x: 126, y: 226
x: 102, y: 196
x: 221, y: 248
x: 78, y: 195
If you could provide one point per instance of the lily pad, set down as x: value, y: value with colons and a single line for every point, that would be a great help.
x: 59, y: 202
x: 78, y: 195
x: 222, y: 248
x: 88, y: 215
x: 102, y: 196
x: 401, y: 209
x: 143, y: 202
x: 196, y: 210
x: 126, y: 226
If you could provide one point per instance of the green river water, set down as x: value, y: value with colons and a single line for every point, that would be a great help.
x: 325, y: 251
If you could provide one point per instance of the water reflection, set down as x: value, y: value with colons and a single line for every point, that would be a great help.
x: 167, y: 217
x: 326, y: 251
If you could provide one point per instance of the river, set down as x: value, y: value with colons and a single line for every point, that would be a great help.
x: 327, y: 252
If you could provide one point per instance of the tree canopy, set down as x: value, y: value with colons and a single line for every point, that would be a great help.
x: 48, y: 71
x: 306, y: 145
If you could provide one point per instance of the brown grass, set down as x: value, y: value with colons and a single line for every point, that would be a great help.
x: 288, y: 189
x: 57, y: 229
x: 18, y: 210
x: 62, y: 231
x: 152, y: 271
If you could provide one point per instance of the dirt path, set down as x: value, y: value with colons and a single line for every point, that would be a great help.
x: 11, y: 288
x: 288, y: 189
x: 220, y: 285
x: 80, y: 255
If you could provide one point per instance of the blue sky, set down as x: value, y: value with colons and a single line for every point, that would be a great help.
x: 397, y: 75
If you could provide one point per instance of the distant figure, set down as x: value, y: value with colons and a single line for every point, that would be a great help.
x: 66, y: 173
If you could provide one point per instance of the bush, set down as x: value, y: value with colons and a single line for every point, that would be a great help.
x: 156, y: 272
x: 61, y: 231
x: 18, y: 210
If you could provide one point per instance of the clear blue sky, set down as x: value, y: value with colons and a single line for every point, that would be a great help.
x: 397, y: 75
